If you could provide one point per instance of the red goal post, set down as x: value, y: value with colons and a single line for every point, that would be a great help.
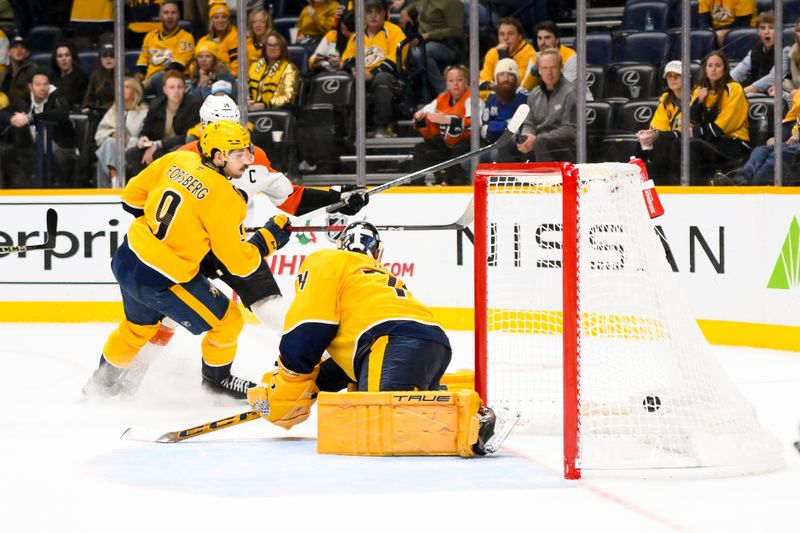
x: 578, y: 325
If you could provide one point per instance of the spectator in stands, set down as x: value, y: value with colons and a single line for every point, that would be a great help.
x: 548, y: 36
x: 661, y: 143
x: 100, y: 90
x: 440, y: 24
x: 4, y: 60
x: 328, y: 54
x: 259, y: 25
x: 21, y: 69
x: 511, y: 43
x: 274, y: 81
x: 381, y: 41
x: 502, y: 103
x: 792, y: 81
x: 68, y: 76
x: 548, y: 133
x: 165, y: 49
x: 719, y: 125
x: 446, y: 124
x: 135, y: 112
x: 223, y: 34
x: 206, y: 69
x: 315, y: 20
x: 165, y: 126
x: 722, y: 16
x: 197, y: 12
x: 756, y: 71
x: 23, y: 120
x: 760, y: 167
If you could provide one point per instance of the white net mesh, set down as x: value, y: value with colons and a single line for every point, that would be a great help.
x: 651, y: 394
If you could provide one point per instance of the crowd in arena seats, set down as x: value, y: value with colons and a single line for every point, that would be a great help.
x: 301, y: 61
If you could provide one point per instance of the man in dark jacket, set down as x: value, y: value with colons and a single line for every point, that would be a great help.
x: 20, y: 70
x: 165, y: 126
x: 28, y: 122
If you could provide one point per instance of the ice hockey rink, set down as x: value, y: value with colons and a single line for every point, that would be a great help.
x: 65, y: 468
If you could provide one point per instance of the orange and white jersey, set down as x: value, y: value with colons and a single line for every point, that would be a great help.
x: 260, y: 177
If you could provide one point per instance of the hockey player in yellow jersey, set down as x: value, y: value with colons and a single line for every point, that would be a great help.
x: 376, y: 332
x: 185, y: 208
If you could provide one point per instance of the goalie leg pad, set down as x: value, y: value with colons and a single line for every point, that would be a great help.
x: 398, y: 423
x: 462, y: 379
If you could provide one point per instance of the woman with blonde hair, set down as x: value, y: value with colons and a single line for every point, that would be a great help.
x: 135, y: 111
x: 224, y: 34
x: 274, y: 81
x: 206, y: 69
x: 259, y: 26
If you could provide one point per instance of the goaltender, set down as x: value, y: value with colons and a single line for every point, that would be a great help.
x: 383, y: 339
x: 186, y: 207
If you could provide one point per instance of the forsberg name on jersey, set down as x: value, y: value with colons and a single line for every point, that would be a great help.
x: 192, y: 184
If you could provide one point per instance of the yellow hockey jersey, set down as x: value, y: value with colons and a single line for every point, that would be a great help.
x: 732, y: 119
x: 159, y: 50
x: 228, y: 48
x: 724, y: 12
x: 667, y: 116
x: 343, y: 302
x: 189, y: 210
x: 380, y: 48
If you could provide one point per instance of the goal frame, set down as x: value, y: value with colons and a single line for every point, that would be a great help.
x: 570, y: 285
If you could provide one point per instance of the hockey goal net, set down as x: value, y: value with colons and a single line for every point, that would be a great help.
x: 579, y: 326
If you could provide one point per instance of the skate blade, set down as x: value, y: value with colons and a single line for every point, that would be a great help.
x: 500, y: 436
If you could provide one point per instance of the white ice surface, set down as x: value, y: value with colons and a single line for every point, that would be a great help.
x: 64, y: 468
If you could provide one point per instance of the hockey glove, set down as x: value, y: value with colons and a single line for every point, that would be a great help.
x: 273, y: 236
x: 354, y: 196
x: 284, y: 397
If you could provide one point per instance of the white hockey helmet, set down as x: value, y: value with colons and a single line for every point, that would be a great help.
x: 362, y: 238
x: 219, y: 107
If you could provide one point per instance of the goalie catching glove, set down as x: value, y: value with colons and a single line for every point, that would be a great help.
x: 273, y: 236
x: 354, y: 196
x: 284, y: 397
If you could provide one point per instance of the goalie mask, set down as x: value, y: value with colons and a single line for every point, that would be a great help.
x: 362, y: 238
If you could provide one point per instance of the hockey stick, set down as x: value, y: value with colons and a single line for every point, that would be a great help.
x: 49, y: 240
x: 177, y: 436
x: 463, y: 221
x: 507, y: 136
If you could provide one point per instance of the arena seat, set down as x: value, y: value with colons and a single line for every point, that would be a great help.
x: 43, y: 59
x: 89, y: 61
x: 702, y: 43
x: 599, y: 48
x: 643, y: 47
x: 629, y: 118
x: 83, y: 141
x: 599, y: 121
x: 739, y: 41
x: 761, y: 117
x: 596, y: 81
x: 633, y: 81
x: 299, y: 56
x: 676, y: 15
x: 282, y: 26
x: 634, y: 16
x: 43, y: 38
x: 282, y: 152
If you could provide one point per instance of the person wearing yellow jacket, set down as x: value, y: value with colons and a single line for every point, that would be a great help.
x: 223, y: 34
x: 719, y: 120
x: 380, y: 43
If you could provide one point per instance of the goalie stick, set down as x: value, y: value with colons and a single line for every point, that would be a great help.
x: 506, y: 137
x: 177, y: 436
x: 463, y: 221
x: 49, y: 240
